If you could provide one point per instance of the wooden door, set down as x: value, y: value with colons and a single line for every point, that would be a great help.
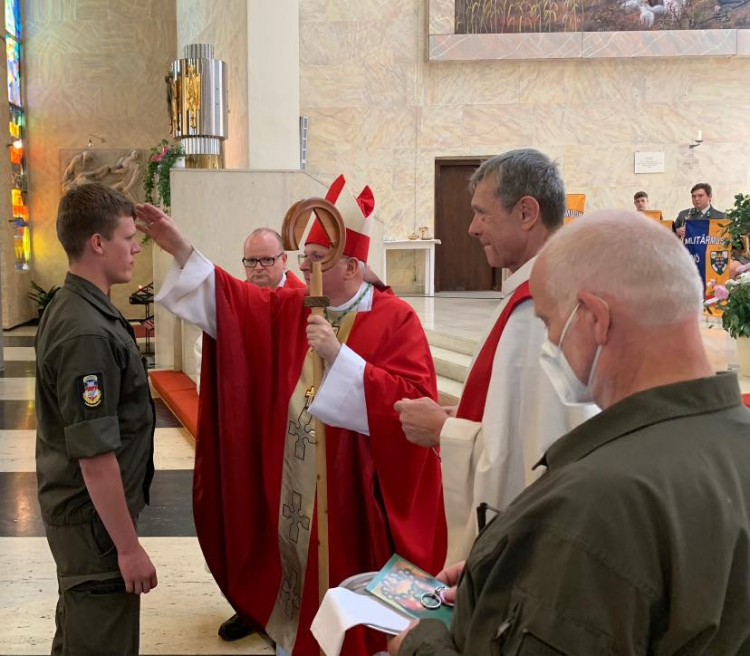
x: 460, y: 263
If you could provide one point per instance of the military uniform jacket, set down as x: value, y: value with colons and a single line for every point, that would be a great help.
x: 635, y: 541
x: 92, y: 397
x: 692, y: 213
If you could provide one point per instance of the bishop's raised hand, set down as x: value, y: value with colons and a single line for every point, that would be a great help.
x: 163, y: 230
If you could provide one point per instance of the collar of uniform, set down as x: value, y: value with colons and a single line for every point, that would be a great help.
x: 652, y: 406
x: 92, y: 294
x: 520, y: 276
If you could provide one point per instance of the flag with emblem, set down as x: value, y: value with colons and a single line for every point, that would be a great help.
x: 710, y: 250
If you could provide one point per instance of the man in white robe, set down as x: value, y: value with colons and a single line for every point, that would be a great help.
x: 488, y: 449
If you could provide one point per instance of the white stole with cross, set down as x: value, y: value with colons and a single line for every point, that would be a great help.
x: 297, y: 502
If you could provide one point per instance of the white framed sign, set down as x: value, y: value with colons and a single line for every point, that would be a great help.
x: 650, y: 162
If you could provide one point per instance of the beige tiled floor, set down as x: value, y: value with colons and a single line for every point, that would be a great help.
x: 19, y: 353
x: 181, y: 616
x: 173, y: 449
x: 17, y: 389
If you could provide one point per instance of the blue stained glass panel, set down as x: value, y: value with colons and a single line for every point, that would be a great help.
x: 13, y: 17
x: 13, y: 55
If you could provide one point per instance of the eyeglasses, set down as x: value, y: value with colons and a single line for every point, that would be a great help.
x: 312, y: 257
x: 265, y: 262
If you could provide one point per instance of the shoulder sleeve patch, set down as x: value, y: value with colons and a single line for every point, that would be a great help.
x: 91, y: 389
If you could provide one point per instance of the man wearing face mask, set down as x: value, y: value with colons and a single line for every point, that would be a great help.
x: 635, y: 540
x: 509, y: 413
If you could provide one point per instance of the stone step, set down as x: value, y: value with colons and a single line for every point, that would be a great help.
x: 452, y: 342
x: 451, y: 364
x: 449, y: 391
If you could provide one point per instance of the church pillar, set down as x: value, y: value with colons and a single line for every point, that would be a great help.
x: 273, y: 84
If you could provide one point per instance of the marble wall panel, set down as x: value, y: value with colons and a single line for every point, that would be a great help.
x: 332, y: 86
x: 662, y: 43
x: 582, y: 124
x: 440, y: 126
x: 390, y: 85
x: 487, y: 47
x: 313, y: 11
x: 370, y: 10
x: 480, y: 83
x: 328, y: 128
x: 590, y: 166
x: 664, y: 123
x: 577, y: 81
x: 345, y: 42
x: 719, y: 121
x: 511, y: 125
x: 92, y: 67
x: 724, y: 165
x: 442, y: 16
x: 403, y: 167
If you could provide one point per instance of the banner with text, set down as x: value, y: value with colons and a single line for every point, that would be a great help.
x: 710, y: 250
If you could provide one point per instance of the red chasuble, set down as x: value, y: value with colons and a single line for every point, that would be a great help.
x: 293, y: 282
x: 385, y: 494
x: 474, y: 395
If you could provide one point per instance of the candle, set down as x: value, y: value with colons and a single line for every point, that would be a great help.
x: 700, y: 135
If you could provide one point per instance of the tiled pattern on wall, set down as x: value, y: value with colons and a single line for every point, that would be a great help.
x: 93, y: 66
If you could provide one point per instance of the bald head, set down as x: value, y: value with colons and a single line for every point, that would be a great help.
x: 627, y: 258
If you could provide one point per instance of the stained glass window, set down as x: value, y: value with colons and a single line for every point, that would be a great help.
x: 13, y: 55
x: 13, y: 17
x: 16, y: 129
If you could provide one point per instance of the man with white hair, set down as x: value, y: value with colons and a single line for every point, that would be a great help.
x: 509, y: 413
x: 636, y: 540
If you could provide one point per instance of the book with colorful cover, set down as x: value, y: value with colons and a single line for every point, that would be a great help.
x: 404, y: 586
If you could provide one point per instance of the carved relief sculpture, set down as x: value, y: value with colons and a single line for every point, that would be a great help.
x: 125, y: 174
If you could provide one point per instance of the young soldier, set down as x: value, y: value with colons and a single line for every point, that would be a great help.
x: 94, y: 450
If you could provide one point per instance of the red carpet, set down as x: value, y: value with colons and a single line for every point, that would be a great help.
x: 140, y: 331
x: 178, y: 391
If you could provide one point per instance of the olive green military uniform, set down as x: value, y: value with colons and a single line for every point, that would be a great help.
x: 693, y: 213
x: 635, y: 541
x: 92, y: 398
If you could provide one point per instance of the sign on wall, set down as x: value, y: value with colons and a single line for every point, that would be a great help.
x: 650, y: 162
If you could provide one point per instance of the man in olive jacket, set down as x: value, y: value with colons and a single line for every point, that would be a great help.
x: 94, y: 446
x: 636, y: 540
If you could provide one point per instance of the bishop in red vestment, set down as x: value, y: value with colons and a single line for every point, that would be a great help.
x: 254, y: 488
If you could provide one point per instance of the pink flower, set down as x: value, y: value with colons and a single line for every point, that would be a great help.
x: 160, y: 156
x: 721, y: 292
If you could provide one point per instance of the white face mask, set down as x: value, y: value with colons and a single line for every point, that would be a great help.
x: 567, y: 385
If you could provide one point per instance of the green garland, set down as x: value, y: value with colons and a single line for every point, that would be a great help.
x: 739, y: 221
x: 163, y: 158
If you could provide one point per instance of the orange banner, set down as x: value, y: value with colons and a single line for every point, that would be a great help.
x: 575, y: 205
x: 656, y: 215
